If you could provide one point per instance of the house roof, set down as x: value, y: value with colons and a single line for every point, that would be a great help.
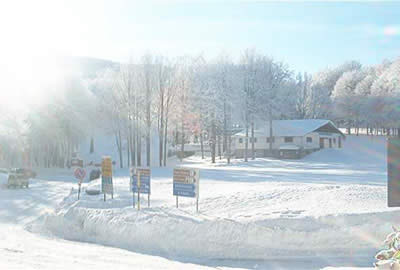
x: 291, y: 127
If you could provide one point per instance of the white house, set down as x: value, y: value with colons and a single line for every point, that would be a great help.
x: 290, y: 138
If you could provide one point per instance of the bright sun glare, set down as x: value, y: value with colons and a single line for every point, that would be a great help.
x: 29, y: 63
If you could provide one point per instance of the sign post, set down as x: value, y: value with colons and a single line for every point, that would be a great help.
x: 141, y: 183
x: 186, y: 184
x: 393, y: 171
x: 80, y: 174
x: 106, y: 177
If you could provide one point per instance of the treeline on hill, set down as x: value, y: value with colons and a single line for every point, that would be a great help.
x: 188, y: 97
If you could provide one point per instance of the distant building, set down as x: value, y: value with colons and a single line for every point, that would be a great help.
x: 290, y: 138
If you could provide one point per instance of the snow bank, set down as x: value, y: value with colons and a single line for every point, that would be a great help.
x: 174, y: 232
x: 359, y: 151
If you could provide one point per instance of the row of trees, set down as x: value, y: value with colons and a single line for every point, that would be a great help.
x: 368, y: 97
x: 157, y: 102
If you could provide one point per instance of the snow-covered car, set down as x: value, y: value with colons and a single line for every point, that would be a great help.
x: 94, y: 187
x: 19, y: 177
x: 94, y: 174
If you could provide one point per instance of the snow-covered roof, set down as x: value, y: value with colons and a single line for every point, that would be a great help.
x: 290, y: 127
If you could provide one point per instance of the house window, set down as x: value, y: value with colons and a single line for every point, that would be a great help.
x: 309, y: 139
x: 288, y: 139
x: 268, y: 140
x: 240, y: 140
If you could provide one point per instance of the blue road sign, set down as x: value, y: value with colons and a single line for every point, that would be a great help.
x: 184, y: 190
x: 145, y: 187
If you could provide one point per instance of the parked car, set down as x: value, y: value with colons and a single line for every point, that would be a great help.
x: 26, y: 172
x: 19, y: 177
x: 94, y: 174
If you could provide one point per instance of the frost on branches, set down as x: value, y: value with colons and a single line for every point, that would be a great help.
x: 390, y: 258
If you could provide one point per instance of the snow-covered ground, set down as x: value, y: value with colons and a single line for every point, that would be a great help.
x: 328, y: 209
x: 21, y: 249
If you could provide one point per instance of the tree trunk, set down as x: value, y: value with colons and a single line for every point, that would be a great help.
x: 128, y: 152
x: 228, y: 134
x: 148, y: 127
x: 118, y: 142
x: 182, y: 138
x: 139, y: 148
x: 165, y: 140
x: 219, y: 147
x: 148, y: 149
x: 161, y: 131
x: 133, y: 147
x: 225, y: 128
x: 213, y: 140
x: 253, y: 153
x: 246, y: 142
x: 228, y: 148
x: 202, y: 144
x: 148, y: 118
x: 271, y: 137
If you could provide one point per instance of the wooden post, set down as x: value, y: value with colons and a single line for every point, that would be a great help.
x: 79, y: 191
x: 176, y: 201
x: 104, y: 196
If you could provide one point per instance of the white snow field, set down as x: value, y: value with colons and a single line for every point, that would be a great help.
x: 326, y: 210
x: 21, y: 249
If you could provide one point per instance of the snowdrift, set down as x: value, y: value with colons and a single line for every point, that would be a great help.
x: 173, y: 232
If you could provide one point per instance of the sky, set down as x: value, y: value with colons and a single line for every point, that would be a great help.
x: 308, y: 36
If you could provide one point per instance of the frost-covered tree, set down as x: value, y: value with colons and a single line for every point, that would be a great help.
x: 248, y: 73
x: 348, y: 108
x: 275, y: 97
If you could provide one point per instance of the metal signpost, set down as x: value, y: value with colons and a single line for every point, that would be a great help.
x: 80, y: 174
x: 106, y: 177
x: 186, y: 184
x: 393, y: 171
x: 141, y: 183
